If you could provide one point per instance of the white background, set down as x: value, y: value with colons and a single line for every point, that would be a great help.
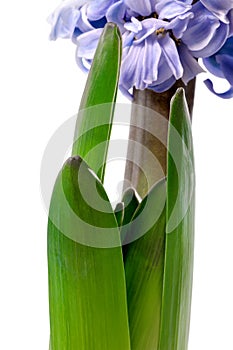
x: 40, y: 88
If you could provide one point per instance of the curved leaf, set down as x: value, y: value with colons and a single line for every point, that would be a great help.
x: 87, y: 289
x: 144, y: 266
x: 119, y: 213
x: 94, y: 121
x: 178, y: 267
x: 131, y: 203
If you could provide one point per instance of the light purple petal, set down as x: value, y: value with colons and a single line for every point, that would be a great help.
x: 87, y: 43
x: 198, y: 37
x: 129, y: 71
x: 149, y: 26
x: 83, y: 22
x: 201, y: 29
x: 64, y: 19
x: 127, y: 38
x: 205, y: 34
x: 226, y: 95
x: 215, y: 43
x: 164, y: 71
x: 164, y: 86
x: 189, y: 63
x: 134, y: 26
x: 179, y: 24
x: 171, y: 8
x: 116, y: 13
x: 129, y: 14
x: 172, y: 57
x: 226, y: 64
x: 153, y: 53
x: 141, y: 70
x: 140, y: 65
x: 219, y: 7
x: 142, y: 7
x: 97, y: 9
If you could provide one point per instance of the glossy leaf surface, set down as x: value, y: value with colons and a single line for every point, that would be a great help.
x: 178, y: 269
x: 87, y: 289
x: 94, y: 121
x: 144, y: 266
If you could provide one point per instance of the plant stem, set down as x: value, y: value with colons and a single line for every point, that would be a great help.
x: 147, y: 155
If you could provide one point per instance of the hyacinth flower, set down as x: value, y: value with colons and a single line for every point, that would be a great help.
x: 163, y: 42
x: 122, y: 278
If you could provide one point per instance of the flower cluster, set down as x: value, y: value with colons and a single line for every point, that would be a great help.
x: 162, y: 39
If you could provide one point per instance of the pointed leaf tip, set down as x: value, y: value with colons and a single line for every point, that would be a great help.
x: 94, y: 123
x: 87, y: 291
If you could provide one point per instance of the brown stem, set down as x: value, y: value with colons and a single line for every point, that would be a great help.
x: 147, y: 153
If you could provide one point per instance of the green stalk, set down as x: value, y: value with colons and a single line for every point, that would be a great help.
x: 149, y: 125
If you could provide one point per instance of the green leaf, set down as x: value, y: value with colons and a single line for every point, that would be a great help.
x: 124, y: 210
x: 87, y: 290
x: 119, y: 213
x: 144, y: 265
x: 178, y: 267
x: 131, y: 203
x: 94, y: 122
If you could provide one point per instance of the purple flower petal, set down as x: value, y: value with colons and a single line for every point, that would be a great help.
x: 226, y: 64
x: 98, y: 9
x: 164, y: 71
x: 189, y: 63
x: 171, y: 8
x: 221, y: 65
x: 142, y: 7
x: 164, y: 86
x: 227, y: 94
x: 149, y: 26
x: 172, y: 57
x: 219, y: 7
x: 213, y: 67
x: 83, y: 23
x: 128, y: 38
x: 116, y: 13
x: 153, y: 54
x: 64, y: 19
x: 179, y: 24
x: 205, y: 34
x: 201, y: 29
x: 140, y: 64
x: 87, y: 43
x: 129, y: 65
x: 215, y: 43
x: 134, y: 26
